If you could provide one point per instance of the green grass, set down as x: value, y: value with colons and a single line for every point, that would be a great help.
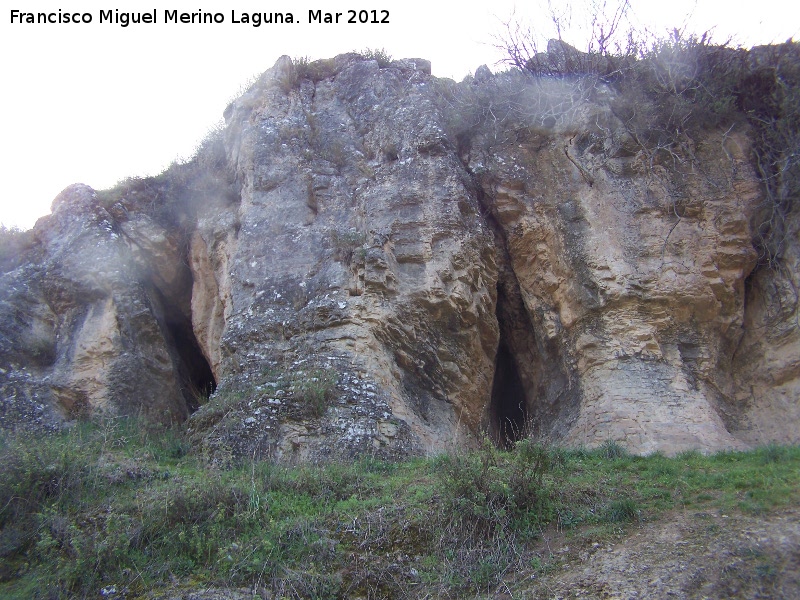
x: 117, y: 503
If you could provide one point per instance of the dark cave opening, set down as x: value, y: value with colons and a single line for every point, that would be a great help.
x: 532, y: 393
x: 196, y: 378
x: 508, y: 410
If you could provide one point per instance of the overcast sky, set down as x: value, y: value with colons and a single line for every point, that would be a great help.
x: 97, y: 102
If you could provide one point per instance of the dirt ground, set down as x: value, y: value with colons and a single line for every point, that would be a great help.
x: 681, y: 555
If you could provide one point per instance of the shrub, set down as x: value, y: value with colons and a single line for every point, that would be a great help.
x: 622, y: 511
x: 13, y: 243
x: 488, y: 488
x: 315, y: 71
x: 670, y: 90
x: 611, y: 449
x: 314, y: 389
x: 769, y: 93
x: 53, y: 469
x: 346, y: 244
x: 773, y: 453
x: 380, y: 55
x: 218, y: 407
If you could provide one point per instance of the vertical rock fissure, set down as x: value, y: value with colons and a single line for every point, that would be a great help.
x: 511, y: 408
x: 524, y: 355
x: 508, y: 407
x: 196, y: 380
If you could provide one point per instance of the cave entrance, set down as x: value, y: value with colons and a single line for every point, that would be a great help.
x: 532, y: 394
x: 197, y: 379
x: 508, y: 409
x: 515, y: 378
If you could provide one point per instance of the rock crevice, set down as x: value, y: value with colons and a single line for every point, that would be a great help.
x: 368, y: 261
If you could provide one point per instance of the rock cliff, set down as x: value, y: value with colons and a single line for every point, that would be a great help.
x: 369, y: 260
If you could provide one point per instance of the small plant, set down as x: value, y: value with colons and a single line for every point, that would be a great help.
x: 773, y: 453
x: 611, y: 449
x: 622, y: 511
x: 530, y: 463
x: 488, y: 488
x: 218, y: 406
x: 315, y: 71
x: 346, y: 244
x: 380, y: 55
x: 314, y: 389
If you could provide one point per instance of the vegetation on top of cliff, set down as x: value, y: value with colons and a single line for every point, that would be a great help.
x: 13, y: 245
x: 126, y: 506
x: 380, y: 55
x: 303, y: 68
x: 172, y: 196
x: 668, y: 91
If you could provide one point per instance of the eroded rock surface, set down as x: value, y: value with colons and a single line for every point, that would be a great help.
x: 88, y: 324
x: 374, y: 266
x: 636, y: 302
x: 356, y: 248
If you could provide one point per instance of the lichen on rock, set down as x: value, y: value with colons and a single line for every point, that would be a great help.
x: 368, y: 261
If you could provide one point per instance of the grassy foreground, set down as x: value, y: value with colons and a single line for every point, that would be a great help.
x: 117, y: 509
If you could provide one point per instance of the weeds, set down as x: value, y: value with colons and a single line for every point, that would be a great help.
x: 383, y: 58
x: 488, y: 489
x: 313, y: 390
x: 303, y: 68
x: 315, y: 71
x: 612, y: 449
x: 14, y: 243
x: 309, y: 390
x: 113, y: 503
x: 622, y: 511
x: 347, y: 245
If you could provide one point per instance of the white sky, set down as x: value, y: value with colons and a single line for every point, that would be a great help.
x: 96, y: 103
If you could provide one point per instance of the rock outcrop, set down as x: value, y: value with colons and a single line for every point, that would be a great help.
x: 92, y: 322
x: 380, y: 262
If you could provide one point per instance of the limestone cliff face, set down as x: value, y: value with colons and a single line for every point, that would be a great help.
x: 85, y: 323
x: 766, y: 364
x: 357, y: 247
x: 642, y: 301
x: 368, y: 268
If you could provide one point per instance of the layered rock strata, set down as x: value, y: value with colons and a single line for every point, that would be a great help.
x: 375, y: 266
